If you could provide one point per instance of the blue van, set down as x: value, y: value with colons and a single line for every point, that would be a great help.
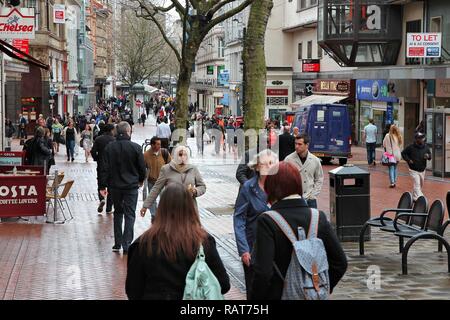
x: 328, y: 126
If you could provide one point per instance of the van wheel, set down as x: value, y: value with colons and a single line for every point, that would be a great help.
x: 342, y: 161
x: 326, y: 160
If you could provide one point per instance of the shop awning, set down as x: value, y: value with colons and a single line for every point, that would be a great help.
x: 317, y: 99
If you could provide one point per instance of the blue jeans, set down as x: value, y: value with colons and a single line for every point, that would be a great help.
x: 370, y: 152
x: 393, y: 173
x: 125, y: 202
x: 70, y: 146
x: 312, y: 203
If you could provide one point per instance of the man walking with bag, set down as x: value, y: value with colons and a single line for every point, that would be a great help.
x: 416, y: 155
x: 122, y: 173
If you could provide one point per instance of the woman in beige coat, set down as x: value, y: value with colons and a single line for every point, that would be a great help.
x: 178, y: 170
x: 392, y: 143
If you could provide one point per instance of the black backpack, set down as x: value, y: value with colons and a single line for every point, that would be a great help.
x: 28, y: 149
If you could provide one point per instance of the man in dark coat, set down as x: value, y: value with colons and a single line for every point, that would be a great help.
x: 122, y: 172
x: 97, y: 154
x: 286, y: 143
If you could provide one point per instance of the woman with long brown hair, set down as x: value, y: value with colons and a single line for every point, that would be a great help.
x: 392, y: 144
x: 159, y: 260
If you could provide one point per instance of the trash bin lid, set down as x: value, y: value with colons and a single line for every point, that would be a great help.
x: 348, y: 170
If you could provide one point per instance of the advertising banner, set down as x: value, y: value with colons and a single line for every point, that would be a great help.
x: 22, y: 196
x: 423, y: 45
x: 22, y: 45
x: 224, y: 78
x: 59, y: 13
x: 17, y: 23
x: 374, y: 90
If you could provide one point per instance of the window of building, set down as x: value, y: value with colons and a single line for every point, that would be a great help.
x: 304, y: 4
x: 309, y: 53
x: 319, y: 52
x: 221, y: 48
x: 413, y: 26
x: 35, y: 5
x: 435, y: 25
x: 300, y: 55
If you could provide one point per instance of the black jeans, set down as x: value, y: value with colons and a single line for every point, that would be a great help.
x: 125, y: 202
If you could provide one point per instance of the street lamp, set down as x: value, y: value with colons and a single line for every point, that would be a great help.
x: 244, y: 33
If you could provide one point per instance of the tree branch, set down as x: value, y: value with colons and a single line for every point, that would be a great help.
x: 161, y: 29
x: 226, y: 15
x: 217, y: 7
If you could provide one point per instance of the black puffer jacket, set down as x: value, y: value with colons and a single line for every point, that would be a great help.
x: 40, y: 152
x: 123, y: 165
x: 157, y: 278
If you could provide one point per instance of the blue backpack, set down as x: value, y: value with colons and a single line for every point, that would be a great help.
x: 307, y: 275
x: 201, y: 283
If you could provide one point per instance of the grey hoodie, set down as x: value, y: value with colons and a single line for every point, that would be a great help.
x: 170, y: 174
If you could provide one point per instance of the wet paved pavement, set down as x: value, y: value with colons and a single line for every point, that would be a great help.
x: 74, y: 260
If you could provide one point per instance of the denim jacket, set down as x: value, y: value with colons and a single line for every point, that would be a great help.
x: 251, y: 202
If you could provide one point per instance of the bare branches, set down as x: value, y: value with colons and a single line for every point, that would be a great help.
x: 152, y: 15
x: 217, y: 7
x: 226, y: 15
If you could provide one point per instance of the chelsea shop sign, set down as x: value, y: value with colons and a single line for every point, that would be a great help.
x: 17, y: 23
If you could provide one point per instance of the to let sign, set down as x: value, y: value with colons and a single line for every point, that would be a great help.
x: 17, y: 23
x: 311, y: 65
x: 423, y: 45
x: 59, y: 13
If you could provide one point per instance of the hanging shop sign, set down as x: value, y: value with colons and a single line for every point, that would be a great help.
x: 423, y: 45
x: 311, y: 65
x: 59, y: 13
x: 17, y: 23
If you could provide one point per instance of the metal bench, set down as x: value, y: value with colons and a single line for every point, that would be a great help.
x: 431, y: 229
x: 405, y: 204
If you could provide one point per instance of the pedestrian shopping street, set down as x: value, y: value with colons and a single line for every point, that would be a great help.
x: 39, y: 260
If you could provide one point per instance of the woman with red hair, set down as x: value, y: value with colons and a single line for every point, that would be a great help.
x: 271, y: 246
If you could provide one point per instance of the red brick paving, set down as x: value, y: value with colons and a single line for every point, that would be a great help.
x: 74, y: 260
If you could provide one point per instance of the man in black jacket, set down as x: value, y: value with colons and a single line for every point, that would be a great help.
x: 416, y: 155
x: 286, y: 143
x: 123, y: 172
x: 97, y: 154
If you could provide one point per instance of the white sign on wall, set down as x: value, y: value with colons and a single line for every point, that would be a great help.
x: 17, y: 23
x: 423, y: 45
x: 59, y: 13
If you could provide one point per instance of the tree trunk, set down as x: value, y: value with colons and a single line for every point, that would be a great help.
x: 255, y: 65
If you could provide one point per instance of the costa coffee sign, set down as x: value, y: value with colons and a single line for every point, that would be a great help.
x: 311, y: 65
x: 277, y: 92
x: 22, y: 197
x: 17, y: 23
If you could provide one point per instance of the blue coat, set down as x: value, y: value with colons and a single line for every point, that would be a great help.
x: 251, y: 202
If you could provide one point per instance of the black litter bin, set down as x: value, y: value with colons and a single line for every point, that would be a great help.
x: 349, y: 201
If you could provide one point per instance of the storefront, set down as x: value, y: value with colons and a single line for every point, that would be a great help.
x: 438, y: 125
x: 376, y: 101
x: 277, y: 101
